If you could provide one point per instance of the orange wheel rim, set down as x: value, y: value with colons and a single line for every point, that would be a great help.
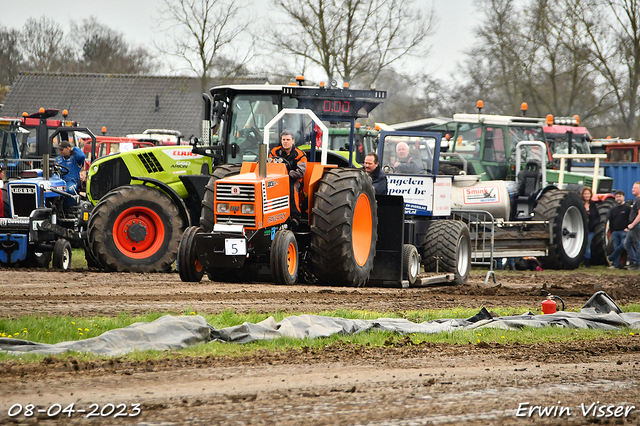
x: 198, y: 266
x: 292, y: 258
x: 362, y: 230
x: 147, y: 229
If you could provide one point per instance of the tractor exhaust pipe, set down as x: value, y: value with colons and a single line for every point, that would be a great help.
x: 262, y: 161
x: 45, y: 166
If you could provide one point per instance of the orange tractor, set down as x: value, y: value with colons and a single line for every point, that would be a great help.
x: 335, y: 242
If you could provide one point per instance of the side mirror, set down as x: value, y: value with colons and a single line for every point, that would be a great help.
x: 234, y: 150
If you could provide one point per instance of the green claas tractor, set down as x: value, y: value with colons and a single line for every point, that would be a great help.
x: 144, y: 199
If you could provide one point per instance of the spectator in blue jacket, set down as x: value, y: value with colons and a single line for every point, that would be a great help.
x: 72, y: 158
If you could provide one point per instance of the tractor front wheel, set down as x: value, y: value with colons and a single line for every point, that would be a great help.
x: 188, y: 266
x: 135, y: 229
x: 284, y: 258
x: 62, y: 254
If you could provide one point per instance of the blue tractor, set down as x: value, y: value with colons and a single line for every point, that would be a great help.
x: 39, y: 224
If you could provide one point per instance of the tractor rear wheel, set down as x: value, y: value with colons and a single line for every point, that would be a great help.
x: 447, y: 249
x: 410, y: 263
x: 135, y: 229
x: 62, y: 254
x: 284, y: 259
x: 344, y: 228
x: 188, y: 266
x: 220, y: 172
x: 601, y: 235
x: 568, y: 224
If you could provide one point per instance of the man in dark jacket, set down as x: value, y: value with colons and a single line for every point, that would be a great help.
x: 379, y: 178
x: 618, y: 221
x: 633, y: 234
x: 296, y: 163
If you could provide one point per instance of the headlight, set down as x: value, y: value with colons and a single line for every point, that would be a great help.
x: 222, y: 208
x: 247, y: 209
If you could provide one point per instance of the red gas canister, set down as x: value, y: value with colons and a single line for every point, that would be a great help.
x: 548, y: 307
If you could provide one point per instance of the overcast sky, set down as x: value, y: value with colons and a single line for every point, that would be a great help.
x: 138, y: 21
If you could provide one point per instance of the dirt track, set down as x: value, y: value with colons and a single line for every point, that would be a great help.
x: 401, y: 383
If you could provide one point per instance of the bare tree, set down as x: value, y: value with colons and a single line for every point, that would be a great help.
x: 44, y: 46
x: 615, y: 53
x: 202, y: 32
x: 355, y: 39
x: 104, y: 50
x: 10, y: 55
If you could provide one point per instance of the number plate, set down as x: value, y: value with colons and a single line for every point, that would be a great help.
x: 235, y: 246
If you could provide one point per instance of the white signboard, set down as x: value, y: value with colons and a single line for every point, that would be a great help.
x: 442, y: 196
x: 417, y: 192
x: 235, y: 246
x: 481, y: 195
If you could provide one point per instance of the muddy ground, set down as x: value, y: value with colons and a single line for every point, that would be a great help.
x: 595, y: 382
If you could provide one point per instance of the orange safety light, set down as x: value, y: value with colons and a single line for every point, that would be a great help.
x: 357, y: 125
x: 41, y: 110
x: 24, y: 114
x: 608, y: 137
x: 322, y: 84
x: 300, y: 78
x: 292, y: 83
x: 549, y: 119
x: 377, y: 128
x: 577, y: 118
x: 524, y: 107
x: 345, y: 85
x: 104, y: 130
x: 479, y: 105
x: 65, y: 113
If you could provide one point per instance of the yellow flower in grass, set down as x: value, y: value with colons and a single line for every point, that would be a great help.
x: 86, y: 329
x: 81, y: 334
x: 79, y: 329
x: 192, y: 313
x: 73, y: 323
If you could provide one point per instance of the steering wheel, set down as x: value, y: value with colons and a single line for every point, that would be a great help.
x: 282, y: 160
x: 59, y: 169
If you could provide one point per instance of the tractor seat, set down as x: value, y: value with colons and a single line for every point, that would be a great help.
x: 529, y: 179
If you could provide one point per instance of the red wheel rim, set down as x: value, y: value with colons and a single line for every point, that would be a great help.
x: 138, y: 217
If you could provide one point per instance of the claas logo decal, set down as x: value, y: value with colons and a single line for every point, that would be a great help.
x: 181, y: 153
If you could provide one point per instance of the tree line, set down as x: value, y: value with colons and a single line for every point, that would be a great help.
x: 562, y: 57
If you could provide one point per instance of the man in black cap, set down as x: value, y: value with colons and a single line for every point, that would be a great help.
x: 72, y: 158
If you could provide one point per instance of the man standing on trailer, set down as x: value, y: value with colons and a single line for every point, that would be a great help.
x: 296, y: 163
x: 633, y: 236
x: 379, y: 178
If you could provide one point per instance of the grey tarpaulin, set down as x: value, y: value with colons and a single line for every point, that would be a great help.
x: 169, y: 332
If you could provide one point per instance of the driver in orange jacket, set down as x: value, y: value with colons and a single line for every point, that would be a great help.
x: 296, y: 163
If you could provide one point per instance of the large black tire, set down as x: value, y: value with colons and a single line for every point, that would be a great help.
x: 344, y: 228
x: 568, y: 224
x: 410, y: 263
x: 37, y: 259
x: 220, y: 172
x: 62, y: 254
x: 600, y: 236
x: 284, y: 258
x: 447, y: 249
x: 188, y: 266
x: 135, y: 229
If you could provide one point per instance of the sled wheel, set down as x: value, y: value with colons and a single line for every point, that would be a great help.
x: 207, y: 214
x: 188, y: 266
x: 135, y: 229
x: 284, y: 258
x: 410, y: 263
x: 568, y: 223
x: 344, y: 228
x: 62, y: 254
x: 447, y: 249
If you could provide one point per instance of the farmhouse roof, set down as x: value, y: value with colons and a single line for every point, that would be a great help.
x: 123, y: 103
